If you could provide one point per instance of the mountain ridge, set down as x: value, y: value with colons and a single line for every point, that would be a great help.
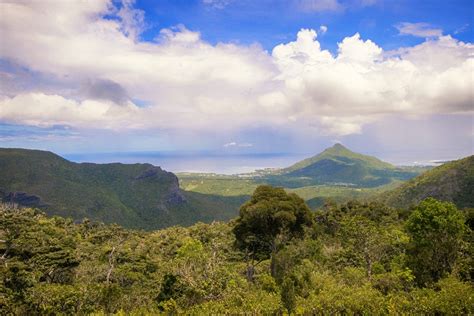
x: 337, y: 150
x: 133, y: 195
x: 337, y: 165
x: 452, y: 182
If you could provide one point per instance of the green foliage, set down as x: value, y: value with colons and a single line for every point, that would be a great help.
x: 338, y: 165
x: 288, y: 295
x: 132, y: 195
x: 271, y: 218
x: 339, y: 150
x: 224, y: 185
x: 451, y: 182
x: 239, y: 187
x: 53, y: 266
x: 364, y: 239
x: 436, y: 230
x: 146, y: 197
x: 337, y: 173
x: 170, y: 289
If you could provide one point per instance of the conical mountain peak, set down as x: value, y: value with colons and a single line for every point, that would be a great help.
x: 342, y: 155
x: 337, y: 149
x: 338, y: 146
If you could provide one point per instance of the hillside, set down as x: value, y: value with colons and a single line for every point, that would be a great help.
x: 453, y: 182
x: 339, y: 152
x: 337, y: 174
x: 340, y: 166
x: 133, y: 195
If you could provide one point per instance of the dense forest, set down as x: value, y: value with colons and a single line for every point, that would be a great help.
x: 277, y: 257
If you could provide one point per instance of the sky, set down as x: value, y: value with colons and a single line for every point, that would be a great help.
x: 225, y: 77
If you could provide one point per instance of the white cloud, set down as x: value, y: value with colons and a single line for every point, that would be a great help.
x: 418, y: 29
x: 193, y: 85
x: 235, y: 144
x: 353, y: 49
x: 43, y: 110
x: 133, y: 20
x: 231, y: 144
x: 363, y: 83
x: 323, y: 29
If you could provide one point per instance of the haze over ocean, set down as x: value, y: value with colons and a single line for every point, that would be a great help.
x: 186, y: 162
x: 227, y: 163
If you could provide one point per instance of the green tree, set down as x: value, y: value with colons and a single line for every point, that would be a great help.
x: 436, y: 230
x: 268, y: 221
x: 288, y: 295
x: 363, y: 237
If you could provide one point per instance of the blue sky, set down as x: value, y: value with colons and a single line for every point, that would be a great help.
x: 271, y: 22
x: 389, y: 78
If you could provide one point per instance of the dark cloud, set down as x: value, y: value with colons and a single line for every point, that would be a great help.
x: 104, y: 89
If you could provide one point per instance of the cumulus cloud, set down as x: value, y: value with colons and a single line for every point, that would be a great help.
x: 363, y: 83
x: 418, y: 29
x: 189, y: 83
x: 43, y: 110
x: 133, y: 20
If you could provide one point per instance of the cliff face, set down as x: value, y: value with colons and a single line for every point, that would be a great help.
x: 21, y: 198
x: 133, y: 195
x: 173, y: 196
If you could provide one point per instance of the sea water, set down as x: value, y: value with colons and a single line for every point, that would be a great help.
x: 195, y: 162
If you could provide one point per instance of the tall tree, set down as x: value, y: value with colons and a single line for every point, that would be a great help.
x: 365, y: 238
x: 436, y: 229
x: 269, y: 220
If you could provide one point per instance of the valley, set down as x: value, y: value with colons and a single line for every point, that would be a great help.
x: 114, y: 239
x: 145, y: 196
x: 336, y: 174
x: 224, y: 157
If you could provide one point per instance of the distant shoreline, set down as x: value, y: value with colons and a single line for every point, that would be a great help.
x: 209, y: 162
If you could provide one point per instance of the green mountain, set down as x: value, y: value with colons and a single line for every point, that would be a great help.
x: 452, y: 181
x: 133, y: 195
x: 340, y: 153
x: 338, y: 165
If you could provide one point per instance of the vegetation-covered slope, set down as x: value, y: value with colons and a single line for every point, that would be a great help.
x: 276, y: 258
x: 337, y: 174
x: 336, y: 152
x: 315, y: 195
x: 452, y: 181
x: 133, y: 195
x: 338, y: 165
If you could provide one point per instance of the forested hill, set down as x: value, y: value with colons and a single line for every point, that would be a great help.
x: 133, y: 195
x: 338, y: 165
x: 452, y: 182
x: 338, y: 151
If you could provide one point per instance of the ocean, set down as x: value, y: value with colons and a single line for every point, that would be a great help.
x: 195, y: 162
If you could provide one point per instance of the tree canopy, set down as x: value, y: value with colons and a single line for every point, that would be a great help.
x: 436, y: 230
x: 271, y: 216
x: 54, y: 266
